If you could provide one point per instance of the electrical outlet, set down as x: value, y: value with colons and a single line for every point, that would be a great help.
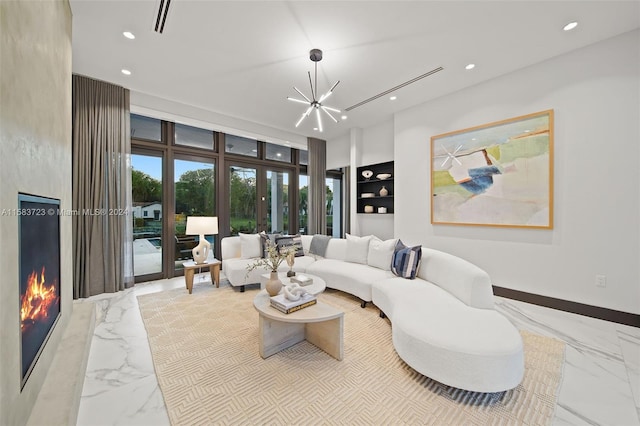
x: 601, y: 280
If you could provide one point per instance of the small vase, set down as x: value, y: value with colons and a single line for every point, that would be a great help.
x: 384, y: 192
x: 273, y: 285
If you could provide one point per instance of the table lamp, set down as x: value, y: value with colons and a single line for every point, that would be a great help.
x: 201, y: 226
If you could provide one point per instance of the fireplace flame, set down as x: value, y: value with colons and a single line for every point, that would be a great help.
x: 37, y: 299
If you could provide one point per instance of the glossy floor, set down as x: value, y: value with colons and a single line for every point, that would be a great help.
x: 600, y: 383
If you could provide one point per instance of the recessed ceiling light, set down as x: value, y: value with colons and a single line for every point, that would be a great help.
x: 254, y: 150
x: 470, y: 66
x: 126, y: 72
x: 393, y: 98
x: 527, y: 131
x: 344, y: 117
x: 570, y: 26
x: 129, y: 35
x: 278, y: 154
x: 315, y: 128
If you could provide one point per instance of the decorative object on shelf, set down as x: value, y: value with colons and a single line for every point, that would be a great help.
x: 294, y: 292
x: 291, y: 259
x: 316, y: 56
x: 382, y: 209
x: 383, y: 176
x: 368, y: 209
x: 384, y: 191
x: 479, y: 163
x: 367, y: 195
x: 201, y: 226
x: 272, y: 261
x: 367, y: 174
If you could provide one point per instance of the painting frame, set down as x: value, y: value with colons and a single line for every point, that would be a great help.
x: 498, y: 174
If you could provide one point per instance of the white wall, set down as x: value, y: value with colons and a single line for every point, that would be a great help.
x: 377, y: 144
x: 595, y: 93
x: 367, y: 146
x: 338, y: 152
x: 35, y: 158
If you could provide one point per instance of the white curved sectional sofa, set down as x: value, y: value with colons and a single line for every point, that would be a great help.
x: 444, y: 324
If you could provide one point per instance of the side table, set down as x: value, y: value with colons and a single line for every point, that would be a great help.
x: 190, y: 268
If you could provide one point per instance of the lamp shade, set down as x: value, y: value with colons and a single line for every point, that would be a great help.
x: 202, y: 225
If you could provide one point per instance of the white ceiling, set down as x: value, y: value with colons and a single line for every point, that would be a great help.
x: 242, y: 58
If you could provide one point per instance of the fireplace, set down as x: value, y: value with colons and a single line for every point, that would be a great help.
x: 39, y: 258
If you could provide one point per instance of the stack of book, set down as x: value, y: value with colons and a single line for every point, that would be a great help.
x: 284, y: 305
x: 301, y: 279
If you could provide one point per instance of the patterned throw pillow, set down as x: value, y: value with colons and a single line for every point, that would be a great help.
x: 406, y: 260
x: 291, y: 240
x: 264, y: 238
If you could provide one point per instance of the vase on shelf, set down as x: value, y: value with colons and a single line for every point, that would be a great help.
x: 273, y: 285
x: 384, y: 192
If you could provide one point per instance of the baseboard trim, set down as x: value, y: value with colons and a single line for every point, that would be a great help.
x: 612, y: 315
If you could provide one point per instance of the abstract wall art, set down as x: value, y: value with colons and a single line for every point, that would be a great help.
x: 497, y: 174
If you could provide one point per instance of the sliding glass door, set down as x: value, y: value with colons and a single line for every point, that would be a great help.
x: 195, y: 195
x: 147, y: 190
x: 259, y: 199
x: 277, y: 203
x: 243, y: 212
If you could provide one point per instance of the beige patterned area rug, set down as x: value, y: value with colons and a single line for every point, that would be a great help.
x: 205, y: 351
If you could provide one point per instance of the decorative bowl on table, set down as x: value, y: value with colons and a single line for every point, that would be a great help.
x: 367, y: 174
x: 383, y: 176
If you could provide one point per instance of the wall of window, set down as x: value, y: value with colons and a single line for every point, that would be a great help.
x: 180, y: 171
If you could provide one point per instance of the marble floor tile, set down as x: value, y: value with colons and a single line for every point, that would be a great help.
x: 600, y: 383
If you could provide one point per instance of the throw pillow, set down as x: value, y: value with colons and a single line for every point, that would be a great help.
x: 406, y: 260
x: 319, y: 245
x: 250, y: 246
x: 381, y: 253
x: 264, y: 238
x: 357, y: 249
x: 291, y: 240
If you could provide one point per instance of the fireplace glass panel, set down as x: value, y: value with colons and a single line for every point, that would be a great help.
x: 39, y: 258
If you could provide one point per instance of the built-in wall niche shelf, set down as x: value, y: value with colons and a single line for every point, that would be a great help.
x: 375, y: 188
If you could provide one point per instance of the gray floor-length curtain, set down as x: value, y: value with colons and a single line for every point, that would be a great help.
x: 317, y: 169
x: 102, y: 228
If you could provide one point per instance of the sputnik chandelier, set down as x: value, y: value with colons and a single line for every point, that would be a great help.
x: 315, y: 103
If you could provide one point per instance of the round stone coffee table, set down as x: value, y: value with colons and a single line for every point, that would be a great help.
x: 320, y: 324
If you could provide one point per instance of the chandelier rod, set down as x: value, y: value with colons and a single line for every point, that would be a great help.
x: 311, y: 84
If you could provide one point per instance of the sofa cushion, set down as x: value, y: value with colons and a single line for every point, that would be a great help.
x: 405, y: 260
x: 337, y: 249
x: 319, y: 245
x: 353, y: 278
x: 357, y: 249
x: 465, y: 347
x: 381, y: 253
x: 250, y: 246
x: 295, y: 241
x: 463, y: 279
